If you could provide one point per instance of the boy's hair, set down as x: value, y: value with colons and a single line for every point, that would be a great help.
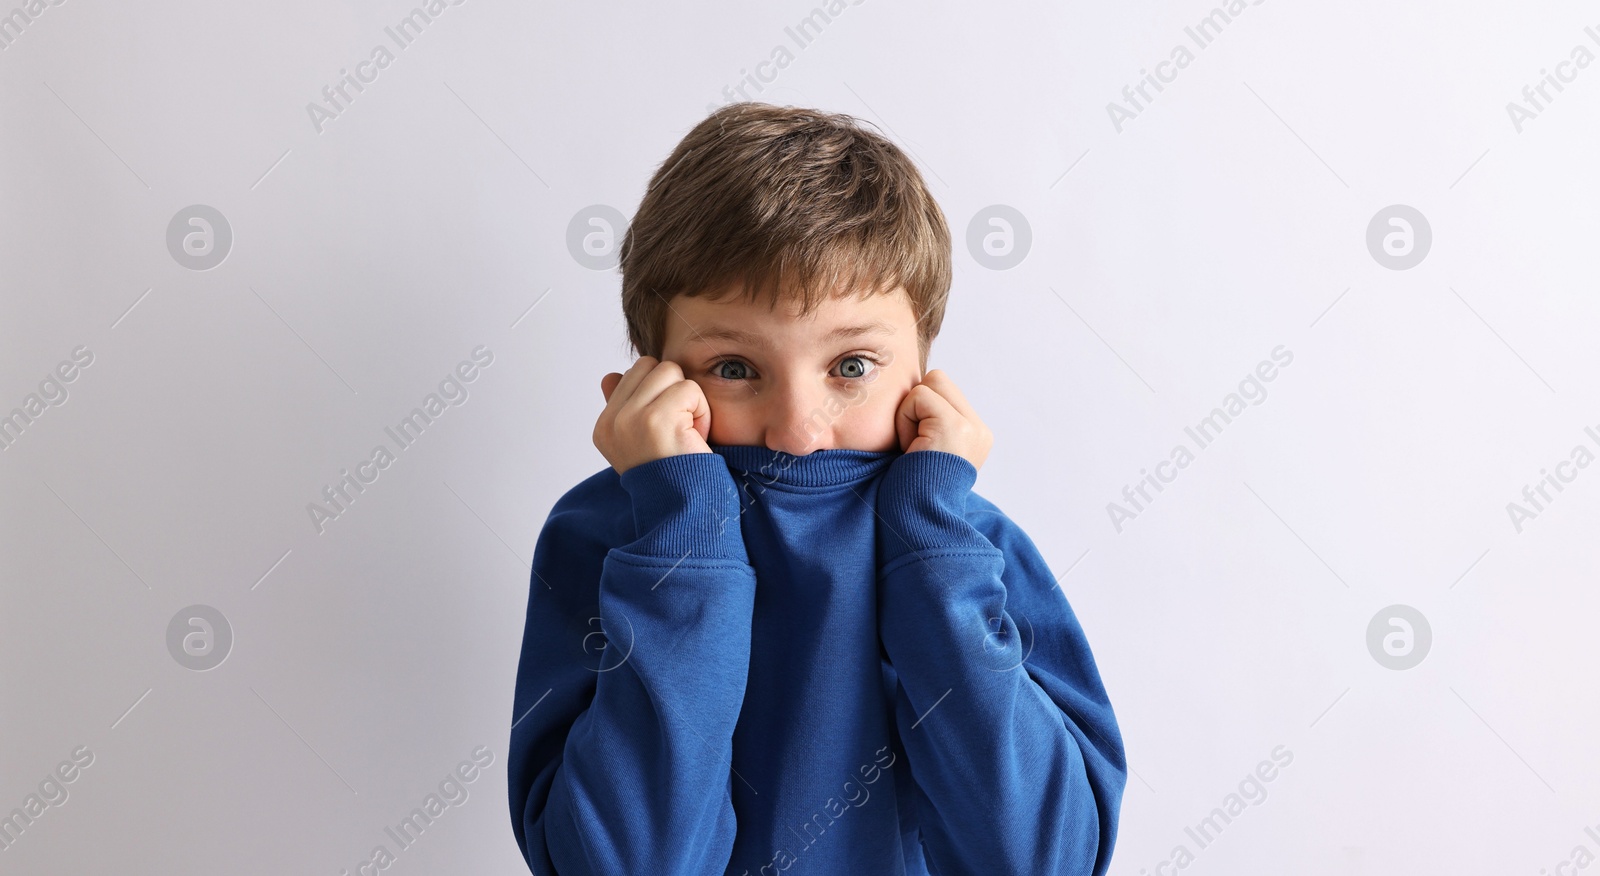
x: 783, y: 203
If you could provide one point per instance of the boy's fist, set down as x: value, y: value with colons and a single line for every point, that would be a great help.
x: 936, y: 416
x: 652, y: 412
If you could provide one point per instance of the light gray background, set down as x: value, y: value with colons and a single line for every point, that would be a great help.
x: 1227, y: 218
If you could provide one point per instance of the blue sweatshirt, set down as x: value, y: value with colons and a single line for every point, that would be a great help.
x: 751, y: 663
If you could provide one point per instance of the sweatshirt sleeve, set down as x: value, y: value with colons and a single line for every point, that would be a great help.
x: 1012, y: 745
x: 628, y: 688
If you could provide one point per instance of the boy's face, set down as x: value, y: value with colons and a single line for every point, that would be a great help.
x: 832, y: 380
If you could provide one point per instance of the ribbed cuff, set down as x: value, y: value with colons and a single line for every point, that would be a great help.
x: 922, y: 503
x: 685, y: 506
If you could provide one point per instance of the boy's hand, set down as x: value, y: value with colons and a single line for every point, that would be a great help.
x: 936, y: 416
x: 652, y: 412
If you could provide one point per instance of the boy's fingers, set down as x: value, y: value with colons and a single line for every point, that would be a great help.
x: 628, y: 389
x: 905, y: 425
x: 941, y: 383
x: 702, y: 413
x: 687, y: 396
x: 661, y: 376
x: 608, y: 385
x: 625, y: 387
x: 922, y: 403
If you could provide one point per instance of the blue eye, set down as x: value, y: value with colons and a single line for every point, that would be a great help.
x: 740, y: 371
x: 855, y: 367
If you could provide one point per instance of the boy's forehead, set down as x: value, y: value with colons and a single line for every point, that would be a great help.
x: 758, y: 324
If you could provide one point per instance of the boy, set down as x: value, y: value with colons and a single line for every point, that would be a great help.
x: 780, y: 634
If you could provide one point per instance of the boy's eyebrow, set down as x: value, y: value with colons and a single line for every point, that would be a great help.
x: 761, y: 342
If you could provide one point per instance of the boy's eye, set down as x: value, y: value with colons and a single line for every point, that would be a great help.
x: 728, y: 369
x: 855, y: 367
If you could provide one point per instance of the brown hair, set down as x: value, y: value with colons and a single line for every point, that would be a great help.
x: 783, y: 202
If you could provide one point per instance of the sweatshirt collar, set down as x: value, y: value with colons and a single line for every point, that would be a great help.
x: 819, y: 468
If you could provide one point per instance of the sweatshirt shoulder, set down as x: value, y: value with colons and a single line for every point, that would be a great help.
x: 996, y: 526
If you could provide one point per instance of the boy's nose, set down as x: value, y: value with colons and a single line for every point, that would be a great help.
x: 797, y: 423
